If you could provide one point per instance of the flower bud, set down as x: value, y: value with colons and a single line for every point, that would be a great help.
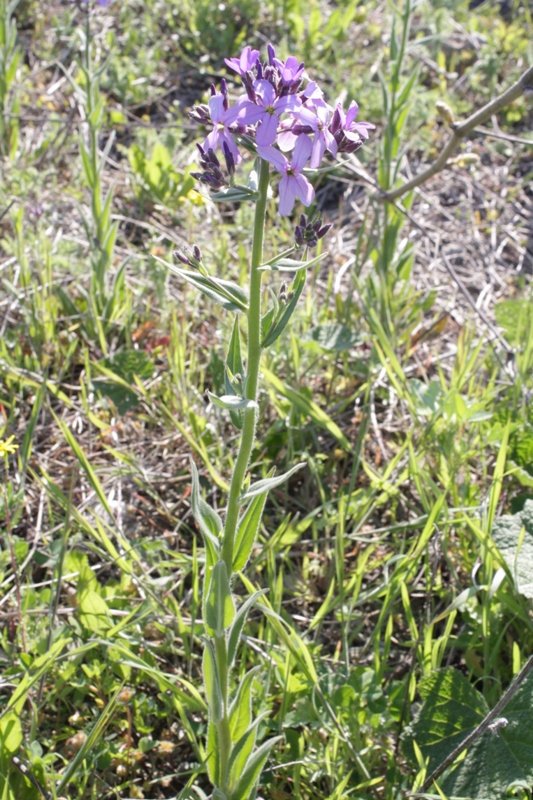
x: 197, y: 253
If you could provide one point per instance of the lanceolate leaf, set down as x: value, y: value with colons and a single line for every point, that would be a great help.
x: 234, y: 194
x: 279, y: 326
x: 260, y: 487
x: 230, y: 295
x: 253, y: 769
x: 234, y: 368
x: 238, y: 624
x: 232, y: 402
x: 247, y: 531
x: 213, y: 754
x: 240, y: 713
x: 207, y: 519
x: 215, y: 700
x: 242, y: 750
x: 513, y: 535
x: 291, y: 264
x: 219, y: 606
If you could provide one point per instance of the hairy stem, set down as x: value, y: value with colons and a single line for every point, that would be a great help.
x: 252, y: 370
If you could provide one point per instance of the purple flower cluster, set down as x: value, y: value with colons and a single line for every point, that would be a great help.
x: 281, y: 111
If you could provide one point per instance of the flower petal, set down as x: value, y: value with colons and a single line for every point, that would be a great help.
x: 286, y: 140
x: 304, y: 190
x: 216, y: 107
x: 249, y: 113
x: 287, y: 194
x: 276, y: 158
x: 302, y: 151
x: 267, y: 130
x: 265, y: 91
x: 290, y: 102
x: 319, y: 148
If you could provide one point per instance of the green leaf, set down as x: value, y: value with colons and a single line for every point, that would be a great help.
x: 207, y: 520
x: 242, y: 750
x: 452, y: 709
x: 247, y: 531
x: 10, y: 733
x: 265, y: 485
x: 290, y: 264
x: 240, y: 713
x: 279, y: 326
x: 234, y: 368
x: 213, y: 753
x: 212, y: 684
x: 252, y: 772
x: 94, y: 612
x: 333, y: 336
x: 232, y: 401
x: 497, y: 759
x: 516, y: 319
x: 234, y: 194
x: 219, y: 606
x: 238, y: 624
x: 228, y: 294
x: 513, y: 536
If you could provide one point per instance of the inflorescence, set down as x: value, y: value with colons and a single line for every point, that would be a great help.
x: 282, y: 111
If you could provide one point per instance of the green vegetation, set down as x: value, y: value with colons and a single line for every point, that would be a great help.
x: 394, y: 566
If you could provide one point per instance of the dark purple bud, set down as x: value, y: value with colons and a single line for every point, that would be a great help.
x: 182, y: 257
x: 316, y: 225
x: 212, y: 158
x: 230, y: 161
x: 248, y: 82
x: 259, y: 69
x: 336, y: 121
x: 197, y: 253
x: 290, y: 295
x: 303, y: 220
x: 298, y: 236
x: 271, y: 54
x: 224, y: 91
x: 323, y: 230
x: 213, y: 90
x: 201, y: 149
x: 283, y: 288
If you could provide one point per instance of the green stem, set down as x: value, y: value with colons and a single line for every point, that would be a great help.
x: 252, y: 371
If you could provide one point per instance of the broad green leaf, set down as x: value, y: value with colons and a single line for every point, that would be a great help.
x: 94, y: 613
x: 228, y: 294
x: 219, y: 605
x: 247, y: 531
x: 238, y: 624
x: 10, y: 733
x: 513, y: 536
x: 265, y: 485
x: 498, y: 759
x: 232, y: 402
x: 212, y: 684
x: 290, y: 264
x: 278, y: 327
x: 452, y: 709
x: 252, y: 771
x: 207, y: 519
x: 333, y: 336
x: 306, y: 406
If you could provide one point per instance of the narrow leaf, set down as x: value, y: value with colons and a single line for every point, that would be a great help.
x: 228, y: 294
x: 238, y: 624
x: 232, y: 401
x: 219, y: 606
x: 280, y: 325
x: 252, y: 772
x: 235, y: 194
x: 247, y: 531
x: 260, y: 487
x: 240, y: 713
x: 213, y: 754
x: 207, y: 519
x: 291, y: 264
x: 242, y: 751
x: 212, y: 683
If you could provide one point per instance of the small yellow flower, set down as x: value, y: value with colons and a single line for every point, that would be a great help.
x: 7, y: 446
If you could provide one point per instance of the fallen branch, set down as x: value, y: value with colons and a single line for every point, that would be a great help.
x: 460, y: 130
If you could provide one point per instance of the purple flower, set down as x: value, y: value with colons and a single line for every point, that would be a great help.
x: 266, y: 111
x: 290, y: 71
x: 293, y: 184
x: 323, y: 140
x: 354, y: 131
x: 223, y: 117
x: 246, y: 61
